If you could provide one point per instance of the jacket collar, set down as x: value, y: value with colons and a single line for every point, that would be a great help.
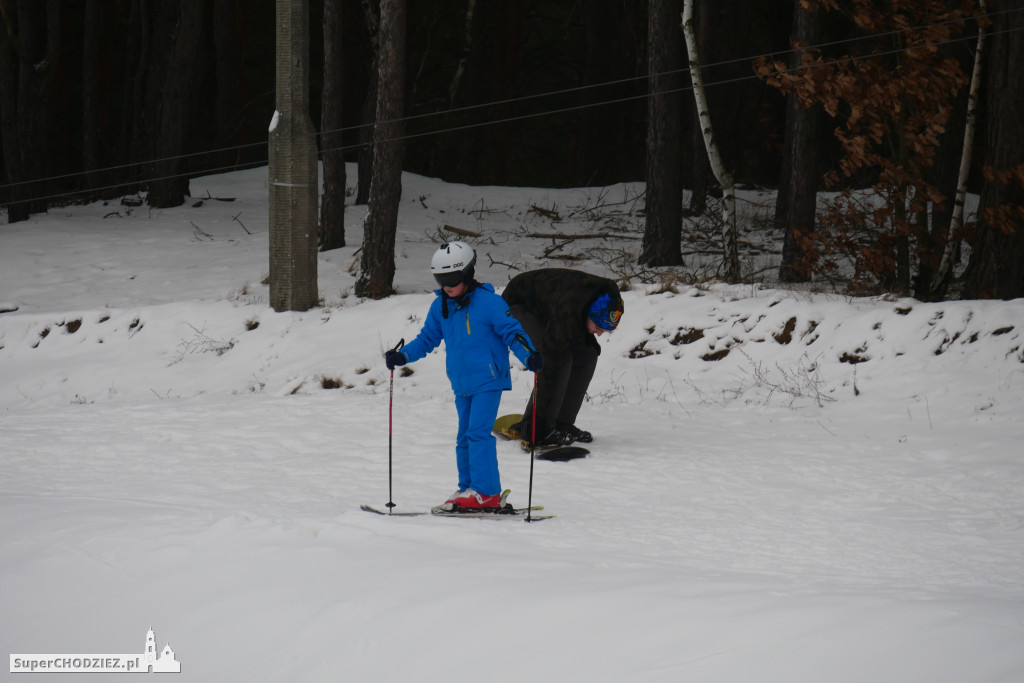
x: 463, y: 300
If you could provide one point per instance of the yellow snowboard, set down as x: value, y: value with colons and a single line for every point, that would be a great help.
x: 503, y: 426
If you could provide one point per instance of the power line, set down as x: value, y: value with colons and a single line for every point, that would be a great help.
x: 630, y: 98
x: 632, y: 79
x: 497, y: 103
x: 133, y: 164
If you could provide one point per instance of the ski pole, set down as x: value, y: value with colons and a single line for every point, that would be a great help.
x: 391, y: 403
x: 533, y: 446
x: 533, y: 431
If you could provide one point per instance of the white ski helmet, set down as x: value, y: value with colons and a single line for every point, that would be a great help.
x: 453, y: 263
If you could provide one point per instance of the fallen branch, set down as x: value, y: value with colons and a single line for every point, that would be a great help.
x: 584, y: 236
x: 510, y: 266
x: 550, y: 214
x: 462, y: 231
x: 198, y: 232
x: 235, y: 218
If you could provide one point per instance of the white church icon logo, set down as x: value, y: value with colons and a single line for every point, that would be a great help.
x: 150, y: 661
x: 162, y: 663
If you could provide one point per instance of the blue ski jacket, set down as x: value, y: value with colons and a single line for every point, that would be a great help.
x: 478, y: 332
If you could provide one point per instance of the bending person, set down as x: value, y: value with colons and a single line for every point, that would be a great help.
x: 562, y: 311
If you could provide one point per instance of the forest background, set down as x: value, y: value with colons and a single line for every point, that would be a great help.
x: 865, y: 103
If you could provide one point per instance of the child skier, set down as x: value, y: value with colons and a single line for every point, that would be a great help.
x: 478, y: 331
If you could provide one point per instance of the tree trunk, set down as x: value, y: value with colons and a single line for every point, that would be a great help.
x: 464, y: 146
x: 229, y: 55
x: 936, y: 219
x: 332, y: 208
x: 447, y: 153
x: 179, y: 97
x: 798, y: 190
x: 377, y: 264
x: 663, y: 230
x: 996, y: 268
x: 371, y: 16
x: 293, y: 168
x: 154, y: 43
x: 91, y: 159
x: 29, y: 50
x: 729, y: 236
x: 604, y: 127
x: 509, y: 42
x: 136, y: 54
x: 902, y: 245
x: 9, y: 142
x: 696, y: 165
x: 468, y: 42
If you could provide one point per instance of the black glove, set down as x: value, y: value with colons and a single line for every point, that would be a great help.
x: 535, y: 362
x: 394, y: 358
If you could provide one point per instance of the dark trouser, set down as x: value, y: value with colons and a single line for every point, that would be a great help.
x: 562, y: 383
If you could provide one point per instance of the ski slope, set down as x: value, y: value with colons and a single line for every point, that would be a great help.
x: 783, y: 487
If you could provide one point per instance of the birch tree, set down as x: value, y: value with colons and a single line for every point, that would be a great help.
x: 729, y: 230
x: 957, y: 219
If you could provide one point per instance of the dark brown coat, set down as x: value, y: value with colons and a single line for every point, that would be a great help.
x: 559, y: 300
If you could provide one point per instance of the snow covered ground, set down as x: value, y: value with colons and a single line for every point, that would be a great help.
x: 784, y: 486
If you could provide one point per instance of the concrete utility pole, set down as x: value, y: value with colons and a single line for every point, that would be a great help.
x: 293, y: 168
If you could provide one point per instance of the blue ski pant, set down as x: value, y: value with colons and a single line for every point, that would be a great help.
x: 476, y: 452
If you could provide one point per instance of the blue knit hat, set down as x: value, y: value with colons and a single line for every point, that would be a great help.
x: 606, y: 313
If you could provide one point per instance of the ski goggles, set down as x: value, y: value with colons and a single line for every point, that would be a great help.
x: 452, y: 279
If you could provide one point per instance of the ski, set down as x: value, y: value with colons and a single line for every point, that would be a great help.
x: 518, y: 513
x: 513, y: 513
x: 391, y: 513
x: 505, y: 510
x: 509, y: 512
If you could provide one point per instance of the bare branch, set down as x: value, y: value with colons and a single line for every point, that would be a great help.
x: 461, y: 231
